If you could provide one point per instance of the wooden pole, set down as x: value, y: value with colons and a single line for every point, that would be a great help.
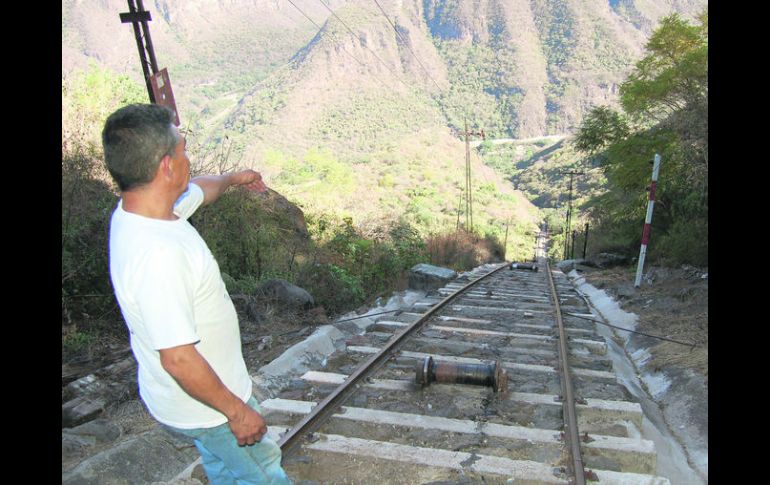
x: 505, y: 244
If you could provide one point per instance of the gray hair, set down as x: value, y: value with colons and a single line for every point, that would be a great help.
x: 135, y: 138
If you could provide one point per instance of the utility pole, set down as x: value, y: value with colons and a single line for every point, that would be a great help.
x: 572, y: 249
x: 569, y: 211
x: 459, y: 206
x: 505, y: 244
x: 566, y: 243
x: 468, y: 185
x: 647, y: 220
x: 157, y: 80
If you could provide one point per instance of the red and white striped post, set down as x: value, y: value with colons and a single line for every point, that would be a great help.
x: 647, y: 221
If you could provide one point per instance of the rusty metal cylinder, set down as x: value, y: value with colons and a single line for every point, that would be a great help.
x: 490, y: 375
x: 527, y: 266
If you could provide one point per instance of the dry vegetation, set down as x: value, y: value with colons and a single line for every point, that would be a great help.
x: 672, y: 303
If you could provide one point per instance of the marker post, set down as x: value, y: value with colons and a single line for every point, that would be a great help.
x: 647, y: 221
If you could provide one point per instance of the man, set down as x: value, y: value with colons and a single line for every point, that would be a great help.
x: 183, y: 326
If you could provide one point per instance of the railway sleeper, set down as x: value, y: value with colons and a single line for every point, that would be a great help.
x: 524, y: 377
x: 502, y: 325
x: 492, y: 294
x: 491, y: 339
x: 601, y: 416
x: 510, y: 366
x: 329, y: 457
x: 396, y: 326
x: 612, y: 418
x: 512, y: 351
x: 515, y: 442
x: 540, y: 319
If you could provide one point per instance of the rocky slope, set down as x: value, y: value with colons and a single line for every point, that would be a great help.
x: 519, y: 68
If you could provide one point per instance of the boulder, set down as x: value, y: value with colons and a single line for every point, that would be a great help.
x: 247, y: 308
x: 98, y: 431
x: 427, y: 277
x: 285, y: 214
x: 151, y: 457
x: 608, y: 260
x: 86, y: 398
x: 286, y: 294
x: 569, y: 264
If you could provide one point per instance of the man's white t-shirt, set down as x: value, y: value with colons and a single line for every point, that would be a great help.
x: 171, y: 293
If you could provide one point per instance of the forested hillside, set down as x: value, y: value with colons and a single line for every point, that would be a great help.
x: 263, y: 72
x: 664, y: 110
x: 354, y: 112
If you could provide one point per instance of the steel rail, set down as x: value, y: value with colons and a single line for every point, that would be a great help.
x: 310, y: 422
x: 572, y: 435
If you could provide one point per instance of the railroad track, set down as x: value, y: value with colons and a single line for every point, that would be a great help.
x: 369, y: 416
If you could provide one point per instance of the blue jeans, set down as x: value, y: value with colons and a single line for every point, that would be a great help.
x: 226, y: 463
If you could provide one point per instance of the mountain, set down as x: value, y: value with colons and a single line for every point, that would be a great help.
x: 516, y: 68
x: 214, y: 50
x: 360, y: 111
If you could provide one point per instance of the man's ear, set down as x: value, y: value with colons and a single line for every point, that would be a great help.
x: 165, y: 167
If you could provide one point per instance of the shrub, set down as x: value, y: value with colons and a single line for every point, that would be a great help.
x: 331, y: 286
x: 248, y: 238
x: 88, y: 199
x: 246, y: 285
x: 463, y: 250
x: 87, y: 206
x: 685, y: 242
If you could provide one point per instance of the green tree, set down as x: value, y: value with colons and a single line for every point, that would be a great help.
x: 601, y: 127
x: 89, y: 96
x: 664, y: 110
x: 673, y: 74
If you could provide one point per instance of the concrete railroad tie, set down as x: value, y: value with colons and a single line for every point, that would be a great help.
x: 593, y: 410
x: 469, y: 360
x: 516, y: 469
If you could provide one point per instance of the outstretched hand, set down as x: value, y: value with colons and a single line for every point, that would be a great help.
x: 249, y: 179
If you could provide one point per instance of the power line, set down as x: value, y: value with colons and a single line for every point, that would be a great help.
x: 400, y: 36
x: 306, y: 16
x: 436, y: 116
x: 406, y: 43
x: 341, y: 46
x: 338, y: 42
x: 692, y: 345
x: 370, y: 50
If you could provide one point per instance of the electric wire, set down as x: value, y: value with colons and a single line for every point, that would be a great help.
x: 338, y: 42
x: 406, y: 44
x: 441, y: 120
x: 438, y: 118
x: 369, y: 48
x: 341, y: 46
x: 365, y: 316
x: 692, y: 345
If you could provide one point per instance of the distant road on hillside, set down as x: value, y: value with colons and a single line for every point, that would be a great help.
x: 503, y: 141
